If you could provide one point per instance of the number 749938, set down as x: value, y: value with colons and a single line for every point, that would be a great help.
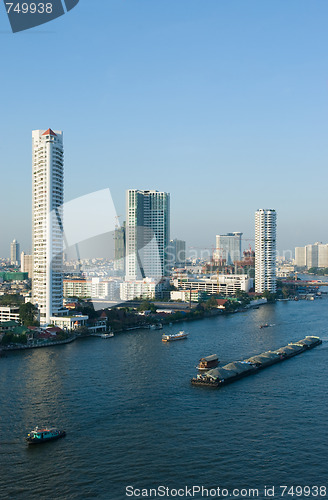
x: 29, y: 8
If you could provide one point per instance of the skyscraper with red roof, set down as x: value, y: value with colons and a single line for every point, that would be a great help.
x: 47, y: 215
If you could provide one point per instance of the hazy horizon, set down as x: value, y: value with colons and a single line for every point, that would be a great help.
x: 223, y: 105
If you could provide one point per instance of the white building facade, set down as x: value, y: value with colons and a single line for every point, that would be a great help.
x: 315, y: 255
x: 147, y: 234
x: 139, y: 289
x: 223, y: 284
x: 265, y: 250
x: 94, y: 288
x: 47, y: 216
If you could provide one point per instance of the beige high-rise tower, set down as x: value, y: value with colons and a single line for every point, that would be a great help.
x: 47, y: 239
x: 265, y: 250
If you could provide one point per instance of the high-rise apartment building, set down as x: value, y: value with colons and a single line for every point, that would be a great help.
x: 265, y: 250
x: 14, y: 253
x: 27, y: 264
x: 228, y: 248
x: 147, y: 234
x: 300, y: 256
x: 315, y: 255
x: 47, y: 216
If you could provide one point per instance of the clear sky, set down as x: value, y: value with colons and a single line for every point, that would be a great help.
x: 222, y: 103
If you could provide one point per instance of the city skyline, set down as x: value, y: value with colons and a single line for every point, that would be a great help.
x: 234, y: 124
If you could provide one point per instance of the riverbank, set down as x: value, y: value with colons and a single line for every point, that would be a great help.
x: 190, y: 316
x: 38, y: 345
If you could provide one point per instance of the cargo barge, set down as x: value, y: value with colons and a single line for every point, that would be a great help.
x: 236, y: 370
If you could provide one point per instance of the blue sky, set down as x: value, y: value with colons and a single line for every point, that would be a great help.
x: 224, y: 104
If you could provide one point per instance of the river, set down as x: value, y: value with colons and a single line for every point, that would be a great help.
x: 133, y: 418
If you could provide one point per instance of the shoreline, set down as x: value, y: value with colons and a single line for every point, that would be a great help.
x: 46, y: 344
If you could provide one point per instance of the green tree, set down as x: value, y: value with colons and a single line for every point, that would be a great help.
x: 211, y: 303
x: 285, y: 292
x: 146, y: 305
x: 271, y: 297
x: 11, y: 300
x: 243, y: 297
x: 27, y: 314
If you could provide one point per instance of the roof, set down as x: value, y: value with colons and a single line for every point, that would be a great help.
x: 221, y: 302
x: 212, y: 357
x: 49, y: 132
x: 9, y: 323
x: 20, y: 330
x: 54, y: 329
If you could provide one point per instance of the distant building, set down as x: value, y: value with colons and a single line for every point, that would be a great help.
x: 47, y: 239
x: 315, y: 255
x: 27, y: 264
x: 147, y: 234
x: 323, y: 256
x: 14, y: 253
x: 228, y: 248
x: 265, y: 250
x: 300, y: 256
x: 13, y: 276
x: 119, y: 249
x: 176, y: 253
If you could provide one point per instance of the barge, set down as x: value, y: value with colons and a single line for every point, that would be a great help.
x: 236, y: 370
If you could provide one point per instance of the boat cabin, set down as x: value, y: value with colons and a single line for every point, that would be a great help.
x: 208, y: 362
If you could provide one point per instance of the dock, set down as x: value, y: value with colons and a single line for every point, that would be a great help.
x: 218, y: 377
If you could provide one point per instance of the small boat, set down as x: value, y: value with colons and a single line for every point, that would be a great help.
x: 208, y: 362
x: 38, y: 436
x: 264, y: 326
x: 177, y: 336
x: 107, y: 335
x: 157, y: 326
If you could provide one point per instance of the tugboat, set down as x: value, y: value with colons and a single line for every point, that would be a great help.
x: 38, y: 436
x: 176, y: 336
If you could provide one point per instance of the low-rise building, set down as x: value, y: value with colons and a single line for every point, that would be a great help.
x: 94, y: 288
x: 223, y: 284
x: 8, y: 326
x: 187, y: 295
x: 9, y: 313
x: 142, y: 289
x: 69, y: 323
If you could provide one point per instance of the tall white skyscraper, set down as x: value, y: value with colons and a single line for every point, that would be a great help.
x: 14, y: 253
x: 265, y: 250
x: 47, y: 240
x: 228, y: 247
x: 147, y: 234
